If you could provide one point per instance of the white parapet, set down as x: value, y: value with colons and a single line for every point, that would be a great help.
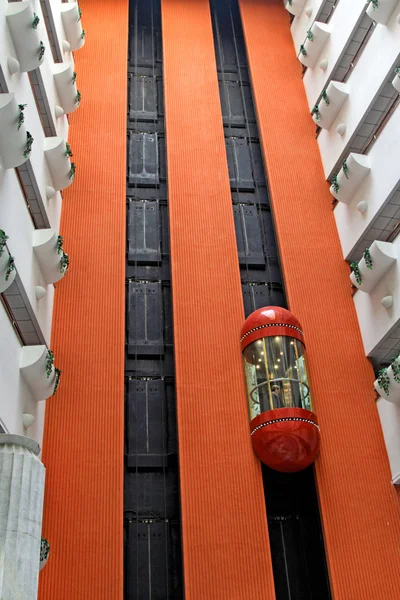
x: 45, y: 248
x: 7, y: 275
x: 381, y: 10
x: 313, y: 48
x: 350, y: 180
x: 296, y: 7
x: 72, y: 25
x: 33, y: 364
x: 12, y: 140
x: 393, y: 390
x: 55, y: 151
x: 66, y: 87
x: 22, y: 477
x: 389, y: 415
x: 336, y: 94
x: 26, y: 38
x: 383, y: 255
x: 396, y: 83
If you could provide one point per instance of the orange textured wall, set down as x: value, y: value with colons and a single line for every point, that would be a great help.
x: 360, y: 508
x: 225, y: 537
x: 83, y: 441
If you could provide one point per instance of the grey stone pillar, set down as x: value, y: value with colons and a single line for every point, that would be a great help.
x: 21, y: 504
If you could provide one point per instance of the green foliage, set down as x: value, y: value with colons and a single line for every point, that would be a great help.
x: 315, y: 111
x: 28, y: 146
x: 49, y: 362
x: 3, y: 241
x: 74, y: 77
x: 71, y: 174
x: 325, y: 97
x: 57, y: 379
x: 11, y: 267
x: 375, y: 4
x: 44, y: 549
x: 303, y: 51
x: 80, y: 14
x: 21, y: 116
x: 367, y: 258
x: 354, y: 267
x: 68, y: 151
x: 64, y: 260
x: 78, y: 97
x: 396, y: 368
x: 397, y: 71
x: 345, y: 168
x: 310, y: 35
x: 35, y: 21
x: 384, y: 381
x: 334, y: 184
x: 83, y: 34
x: 41, y: 50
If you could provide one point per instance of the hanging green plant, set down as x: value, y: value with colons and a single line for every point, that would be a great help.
x: 334, y: 184
x: 290, y: 2
x: 315, y: 111
x: 64, y: 263
x: 375, y: 4
x: 72, y: 170
x: 396, y: 368
x: 3, y: 241
x: 28, y: 146
x: 35, y: 21
x: 384, y: 381
x: 68, y: 151
x: 73, y: 77
x: 397, y: 71
x: 354, y: 267
x: 21, y: 116
x: 325, y: 97
x: 44, y: 549
x: 83, y: 34
x: 11, y: 267
x: 367, y: 258
x: 42, y: 49
x: 57, y: 379
x: 310, y: 35
x: 303, y: 51
x: 60, y: 241
x: 78, y: 97
x: 79, y: 14
x: 49, y: 362
x: 345, y: 169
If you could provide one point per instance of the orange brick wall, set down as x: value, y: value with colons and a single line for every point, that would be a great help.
x: 83, y: 441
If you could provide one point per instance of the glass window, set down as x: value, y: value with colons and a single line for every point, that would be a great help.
x: 276, y: 375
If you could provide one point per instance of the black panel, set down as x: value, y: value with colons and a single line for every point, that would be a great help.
x: 257, y: 295
x: 248, y: 236
x: 152, y: 559
x: 144, y: 232
x: 143, y: 158
x: 143, y: 98
x: 239, y: 163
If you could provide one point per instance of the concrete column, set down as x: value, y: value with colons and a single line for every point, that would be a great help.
x: 22, y: 477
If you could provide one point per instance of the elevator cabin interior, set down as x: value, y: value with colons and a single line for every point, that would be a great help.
x: 153, y: 553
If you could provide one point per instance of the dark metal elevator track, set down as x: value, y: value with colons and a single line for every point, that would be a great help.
x: 153, y: 565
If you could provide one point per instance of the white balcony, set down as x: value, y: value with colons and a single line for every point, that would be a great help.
x: 349, y: 180
x: 382, y: 255
x: 389, y: 415
x: 72, y: 25
x: 391, y: 390
x: 39, y: 373
x: 7, y: 271
x: 336, y: 94
x: 295, y: 7
x: 313, y: 48
x: 12, y: 140
x: 396, y: 83
x: 26, y: 38
x: 380, y: 10
x: 55, y: 151
x: 50, y: 260
x: 66, y: 87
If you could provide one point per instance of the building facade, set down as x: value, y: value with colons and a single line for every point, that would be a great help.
x: 188, y: 163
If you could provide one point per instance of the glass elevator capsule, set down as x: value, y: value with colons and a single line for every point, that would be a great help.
x: 284, y: 429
